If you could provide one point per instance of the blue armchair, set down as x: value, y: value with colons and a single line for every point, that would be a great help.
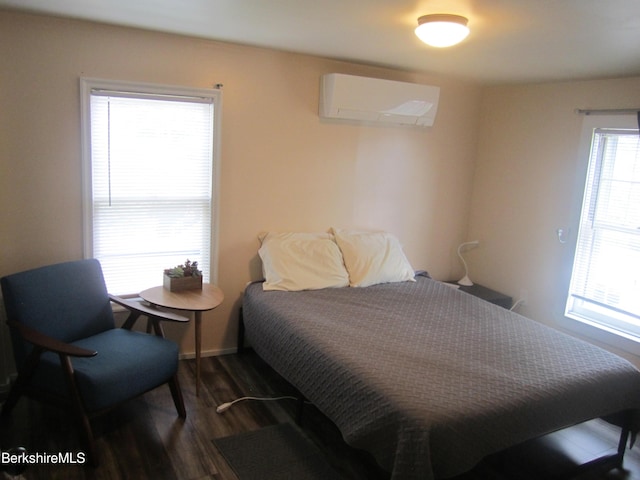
x: 68, y: 350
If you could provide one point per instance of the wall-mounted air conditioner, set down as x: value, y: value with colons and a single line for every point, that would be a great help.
x: 366, y: 99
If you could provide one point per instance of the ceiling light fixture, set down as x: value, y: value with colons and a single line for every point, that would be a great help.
x: 442, y: 29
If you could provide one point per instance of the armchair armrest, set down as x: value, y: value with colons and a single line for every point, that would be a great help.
x: 46, y: 342
x: 144, y: 310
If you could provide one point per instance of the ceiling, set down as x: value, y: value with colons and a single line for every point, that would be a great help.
x: 511, y: 41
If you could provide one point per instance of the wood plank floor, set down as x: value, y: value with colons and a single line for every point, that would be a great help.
x: 145, y: 438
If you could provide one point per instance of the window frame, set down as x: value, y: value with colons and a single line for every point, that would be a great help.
x: 87, y: 84
x: 583, y: 325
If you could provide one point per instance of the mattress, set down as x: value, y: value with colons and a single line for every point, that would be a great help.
x: 429, y: 379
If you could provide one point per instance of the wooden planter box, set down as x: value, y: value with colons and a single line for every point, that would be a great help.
x: 179, y: 284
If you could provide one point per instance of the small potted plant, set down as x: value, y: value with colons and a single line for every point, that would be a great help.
x: 183, y: 277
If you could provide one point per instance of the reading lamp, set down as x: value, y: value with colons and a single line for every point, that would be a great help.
x: 466, y: 281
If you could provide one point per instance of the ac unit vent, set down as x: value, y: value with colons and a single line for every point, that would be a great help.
x: 364, y: 99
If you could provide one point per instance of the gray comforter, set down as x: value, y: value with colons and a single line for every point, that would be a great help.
x: 429, y: 379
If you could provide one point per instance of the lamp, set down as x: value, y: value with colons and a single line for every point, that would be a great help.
x: 442, y: 29
x: 466, y: 281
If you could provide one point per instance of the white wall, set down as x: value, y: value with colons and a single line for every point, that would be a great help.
x: 282, y: 168
x: 499, y: 165
x: 528, y: 184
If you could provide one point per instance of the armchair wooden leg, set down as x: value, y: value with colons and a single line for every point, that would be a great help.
x: 79, y: 412
x: 87, y: 434
x: 176, y: 394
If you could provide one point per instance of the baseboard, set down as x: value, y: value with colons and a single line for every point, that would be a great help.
x: 208, y: 353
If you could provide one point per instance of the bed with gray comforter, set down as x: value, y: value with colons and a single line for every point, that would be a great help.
x: 430, y: 379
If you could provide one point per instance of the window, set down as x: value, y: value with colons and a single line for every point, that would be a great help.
x: 149, y: 158
x: 605, y: 282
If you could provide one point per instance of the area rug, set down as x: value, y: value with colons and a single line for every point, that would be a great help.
x: 277, y: 452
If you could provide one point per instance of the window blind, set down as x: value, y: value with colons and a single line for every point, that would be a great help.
x: 151, y: 185
x: 605, y: 284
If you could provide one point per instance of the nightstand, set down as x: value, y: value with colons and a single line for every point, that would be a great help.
x: 487, y: 294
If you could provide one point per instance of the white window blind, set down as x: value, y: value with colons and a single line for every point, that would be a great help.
x: 151, y: 179
x: 605, y: 283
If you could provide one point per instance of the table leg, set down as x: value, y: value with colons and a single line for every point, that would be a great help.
x: 198, y: 321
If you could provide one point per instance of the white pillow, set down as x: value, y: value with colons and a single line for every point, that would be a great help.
x: 373, y: 257
x: 301, y: 261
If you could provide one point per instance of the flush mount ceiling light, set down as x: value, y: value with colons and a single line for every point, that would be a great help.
x: 442, y: 29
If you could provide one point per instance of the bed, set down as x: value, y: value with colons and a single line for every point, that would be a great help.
x: 429, y: 379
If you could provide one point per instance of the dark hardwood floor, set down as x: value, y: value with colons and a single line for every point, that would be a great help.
x: 145, y: 438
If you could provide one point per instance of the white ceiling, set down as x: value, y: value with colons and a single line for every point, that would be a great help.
x: 511, y: 41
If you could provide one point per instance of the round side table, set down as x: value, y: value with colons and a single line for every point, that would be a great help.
x: 196, y: 301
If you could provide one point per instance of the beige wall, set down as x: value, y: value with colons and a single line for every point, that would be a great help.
x: 282, y: 168
x: 528, y: 184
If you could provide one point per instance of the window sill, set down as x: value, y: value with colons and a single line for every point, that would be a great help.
x: 601, y: 333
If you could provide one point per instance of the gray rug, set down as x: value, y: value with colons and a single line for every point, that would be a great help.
x: 277, y: 452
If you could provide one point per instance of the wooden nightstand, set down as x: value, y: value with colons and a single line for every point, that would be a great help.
x: 487, y: 294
